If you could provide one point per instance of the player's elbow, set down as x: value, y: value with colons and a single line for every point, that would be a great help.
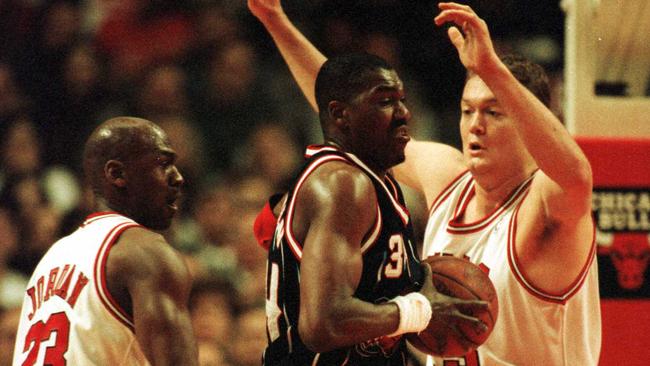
x: 582, y: 180
x: 317, y: 334
x: 584, y: 175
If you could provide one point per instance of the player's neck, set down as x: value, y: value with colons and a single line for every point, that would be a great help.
x: 367, y: 161
x: 102, y: 205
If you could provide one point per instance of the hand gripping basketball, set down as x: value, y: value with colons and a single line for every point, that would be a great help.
x: 464, y: 307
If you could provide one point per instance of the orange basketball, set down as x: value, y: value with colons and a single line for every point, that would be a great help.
x: 462, y: 279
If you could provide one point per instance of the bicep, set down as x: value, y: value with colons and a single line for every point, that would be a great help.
x: 158, y: 284
x: 331, y: 263
x: 557, y: 204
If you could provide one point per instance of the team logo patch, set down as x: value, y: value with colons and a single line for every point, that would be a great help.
x: 622, y: 218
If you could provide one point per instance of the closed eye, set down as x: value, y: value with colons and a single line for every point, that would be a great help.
x: 494, y: 113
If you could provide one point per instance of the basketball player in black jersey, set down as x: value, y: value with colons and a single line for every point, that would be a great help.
x: 343, y: 273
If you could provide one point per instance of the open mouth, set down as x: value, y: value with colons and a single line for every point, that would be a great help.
x: 403, y: 134
x: 171, y: 202
x: 475, y: 146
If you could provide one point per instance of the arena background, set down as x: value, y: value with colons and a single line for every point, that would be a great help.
x: 208, y: 73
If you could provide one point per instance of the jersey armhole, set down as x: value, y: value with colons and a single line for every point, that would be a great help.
x: 561, y: 297
x: 101, y: 286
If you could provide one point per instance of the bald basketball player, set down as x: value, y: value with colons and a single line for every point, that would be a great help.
x: 114, y: 292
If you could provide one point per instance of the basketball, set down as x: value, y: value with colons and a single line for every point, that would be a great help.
x: 459, y: 278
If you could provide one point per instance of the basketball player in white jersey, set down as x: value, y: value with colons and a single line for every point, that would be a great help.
x: 114, y: 292
x: 517, y: 200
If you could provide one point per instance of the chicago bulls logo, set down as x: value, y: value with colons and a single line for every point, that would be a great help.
x: 629, y: 252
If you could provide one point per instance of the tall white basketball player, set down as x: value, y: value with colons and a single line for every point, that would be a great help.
x: 114, y: 292
x: 517, y: 199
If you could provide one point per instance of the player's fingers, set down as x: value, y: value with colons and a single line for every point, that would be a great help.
x: 477, y: 323
x: 474, y: 304
x: 456, y: 37
x: 427, y: 286
x: 462, y: 338
x: 449, y: 5
x: 459, y: 17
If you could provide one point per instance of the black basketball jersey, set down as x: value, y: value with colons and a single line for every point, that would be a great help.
x: 390, y: 268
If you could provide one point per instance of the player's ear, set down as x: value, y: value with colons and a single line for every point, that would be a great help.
x: 114, y: 173
x: 339, y: 114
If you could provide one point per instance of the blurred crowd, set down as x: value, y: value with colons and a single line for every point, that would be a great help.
x: 207, y: 73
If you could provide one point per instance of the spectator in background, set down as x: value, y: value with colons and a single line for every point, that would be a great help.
x: 12, y: 282
x: 12, y: 99
x: 272, y: 154
x: 84, y: 101
x: 136, y: 34
x: 205, y: 236
x: 211, y: 354
x: 16, y: 19
x: 248, y: 194
x: 9, y: 318
x: 213, y: 305
x: 249, y: 341
x: 39, y: 65
x: 37, y: 195
x: 215, y: 24
x: 162, y: 93
x: 233, y: 101
x: 21, y: 163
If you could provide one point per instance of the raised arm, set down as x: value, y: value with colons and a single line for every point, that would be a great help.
x: 554, y: 239
x: 565, y: 185
x: 149, y: 279
x: 304, y: 60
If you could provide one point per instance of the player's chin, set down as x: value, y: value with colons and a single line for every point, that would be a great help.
x: 164, y: 221
x: 397, y: 158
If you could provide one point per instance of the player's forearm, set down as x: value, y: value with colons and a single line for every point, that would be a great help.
x: 302, y: 57
x: 170, y: 342
x: 550, y: 144
x: 347, y: 324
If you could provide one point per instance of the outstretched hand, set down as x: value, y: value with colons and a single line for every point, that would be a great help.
x: 263, y: 9
x: 474, y: 44
x: 445, y: 308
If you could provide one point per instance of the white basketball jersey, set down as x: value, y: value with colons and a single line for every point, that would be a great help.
x: 68, y: 316
x: 533, y: 327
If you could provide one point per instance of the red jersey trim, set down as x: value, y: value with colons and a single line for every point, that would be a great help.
x: 402, y: 211
x: 315, y: 149
x: 393, y: 188
x: 295, y: 245
x: 100, y: 275
x: 561, y: 297
x: 99, y: 215
x: 455, y: 227
x: 442, y: 196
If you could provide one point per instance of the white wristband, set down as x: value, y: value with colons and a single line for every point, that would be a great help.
x: 414, y: 313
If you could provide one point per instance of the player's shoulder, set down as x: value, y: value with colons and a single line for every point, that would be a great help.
x: 140, y: 247
x: 336, y: 187
x: 141, y: 236
x: 339, y: 178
